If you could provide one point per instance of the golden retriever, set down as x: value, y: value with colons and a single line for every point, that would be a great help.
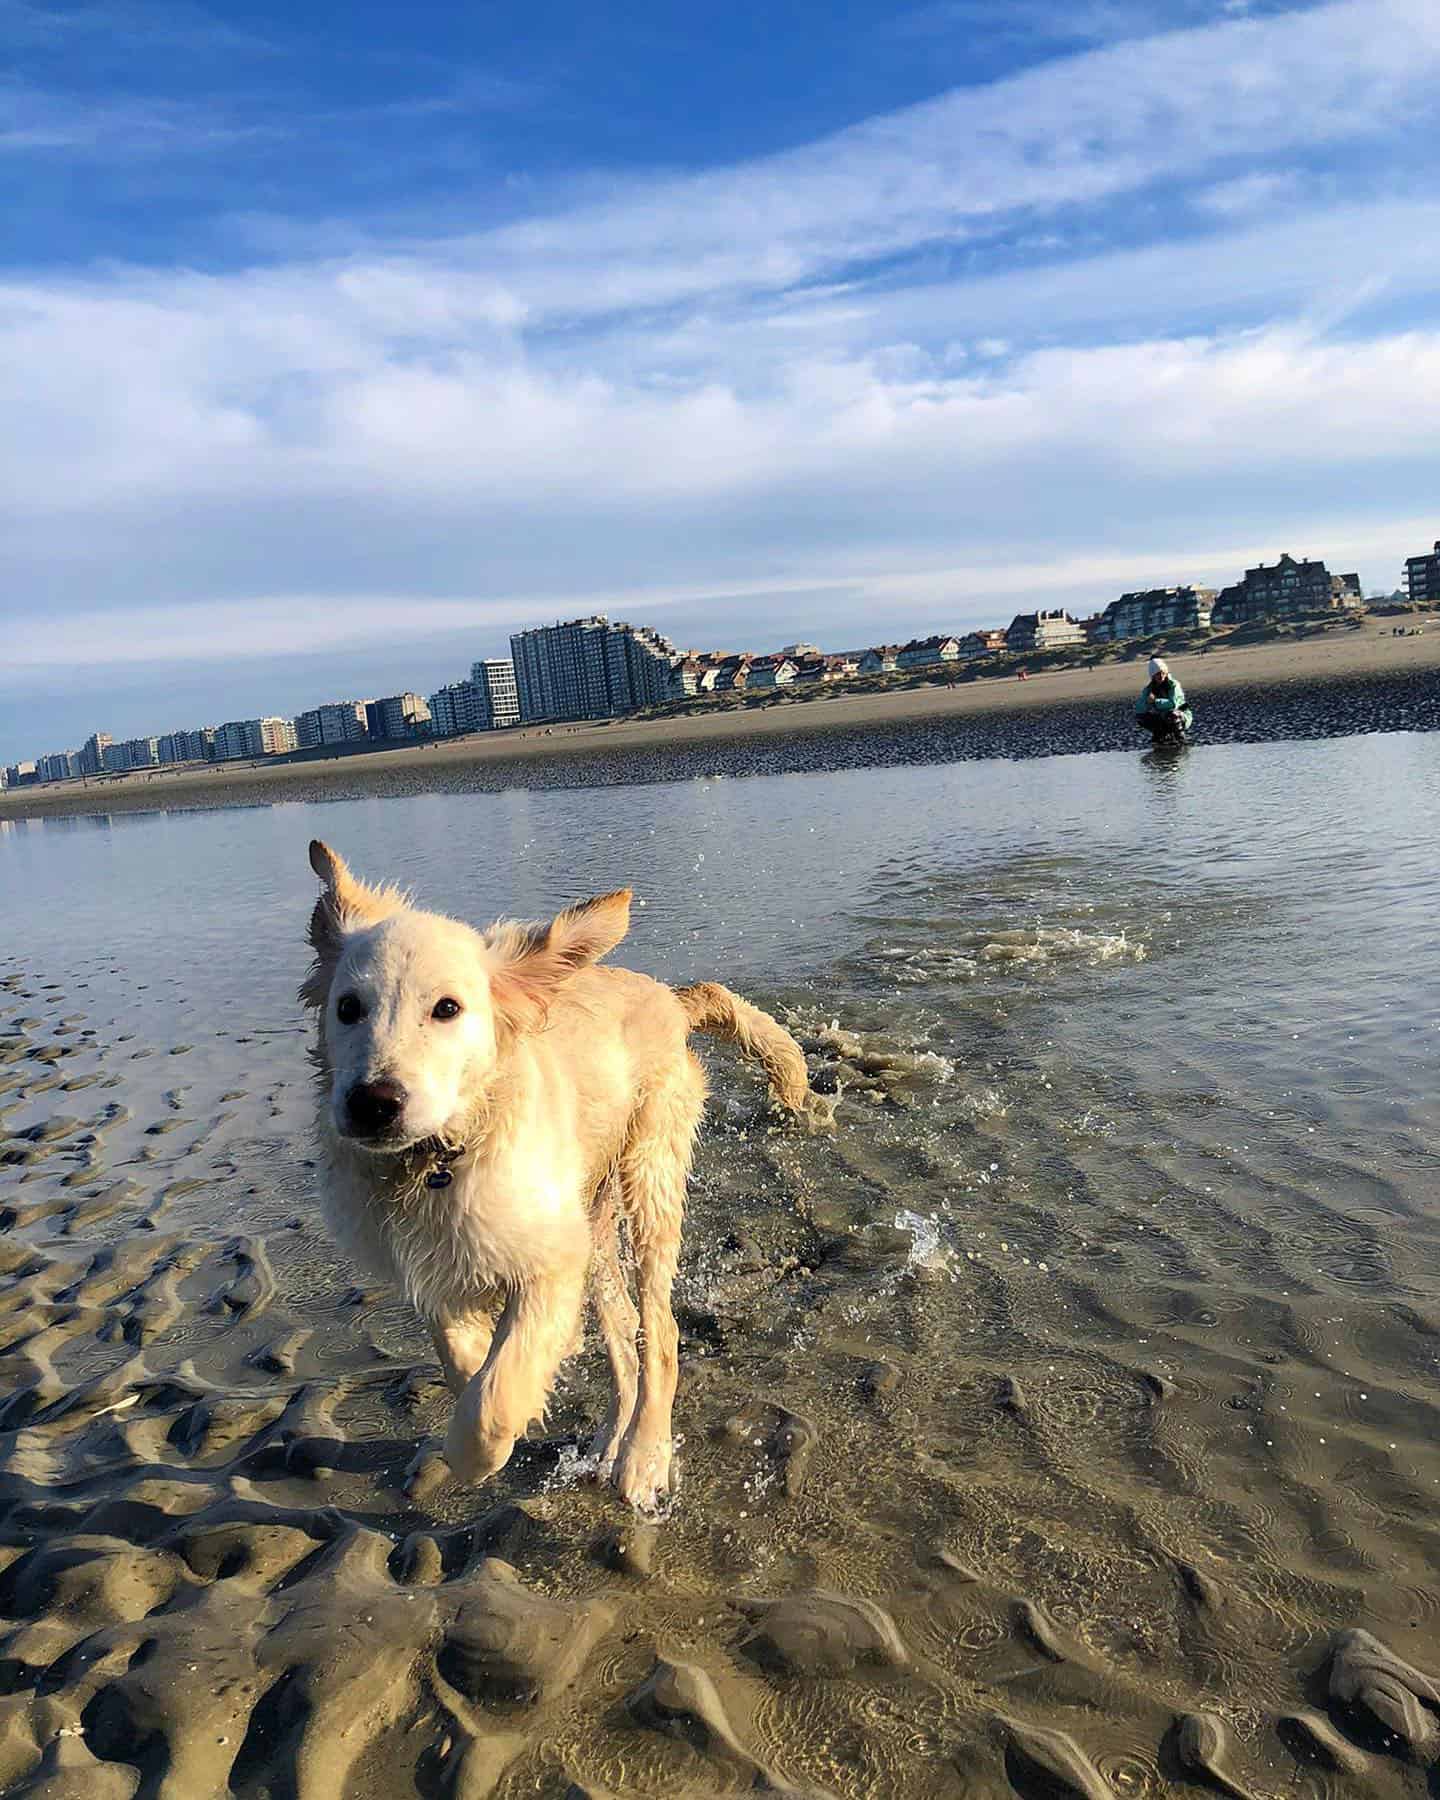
x: 491, y: 1106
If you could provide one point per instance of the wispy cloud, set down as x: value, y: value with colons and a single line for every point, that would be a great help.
x: 117, y: 28
x: 1067, y: 22
x: 1246, y: 195
x: 1073, y: 133
x: 36, y: 123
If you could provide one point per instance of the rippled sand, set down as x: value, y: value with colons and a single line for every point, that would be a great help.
x: 1047, y: 1429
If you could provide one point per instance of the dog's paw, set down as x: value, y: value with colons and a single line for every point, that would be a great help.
x: 643, y: 1475
x: 598, y: 1460
x: 475, y: 1457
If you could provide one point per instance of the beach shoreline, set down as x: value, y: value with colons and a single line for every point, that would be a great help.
x: 1369, y: 651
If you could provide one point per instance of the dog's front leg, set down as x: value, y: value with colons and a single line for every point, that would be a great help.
x: 462, y: 1344
x: 535, y: 1332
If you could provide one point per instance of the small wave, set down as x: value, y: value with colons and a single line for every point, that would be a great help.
x: 926, y: 1250
x: 1049, y: 943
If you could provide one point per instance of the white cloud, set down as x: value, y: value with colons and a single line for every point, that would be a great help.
x: 688, y: 395
x: 1260, y: 192
x: 377, y: 381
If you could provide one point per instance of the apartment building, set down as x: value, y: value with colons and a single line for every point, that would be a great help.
x: 253, y: 737
x: 494, y: 676
x: 141, y: 752
x: 1150, y: 610
x: 338, y: 722
x: 188, y: 746
x: 1422, y: 578
x: 232, y: 740
x: 456, y: 709
x: 1285, y: 589
x: 1037, y: 631
x: 92, y: 756
x: 590, y: 668
x: 397, y: 716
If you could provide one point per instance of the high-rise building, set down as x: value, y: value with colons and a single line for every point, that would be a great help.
x: 338, y: 722
x: 495, y: 677
x: 232, y: 739
x: 590, y: 669
x: 277, y: 736
x: 58, y: 765
x: 253, y: 737
x: 92, y: 757
x: 1422, y: 578
x: 188, y: 746
x: 455, y: 709
x: 649, y: 656
x: 141, y: 752
x: 398, y: 716
x: 560, y: 670
x: 483, y: 703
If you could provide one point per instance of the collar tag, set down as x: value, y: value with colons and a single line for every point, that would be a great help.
x: 439, y: 1178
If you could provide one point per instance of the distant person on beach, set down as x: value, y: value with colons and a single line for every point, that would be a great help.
x: 1161, y: 709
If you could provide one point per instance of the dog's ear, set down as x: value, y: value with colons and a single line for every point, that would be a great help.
x: 346, y: 904
x: 536, y: 961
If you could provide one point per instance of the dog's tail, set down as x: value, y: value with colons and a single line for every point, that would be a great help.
x: 714, y: 1009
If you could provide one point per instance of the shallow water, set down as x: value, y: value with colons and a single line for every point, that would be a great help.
x: 1116, y: 1286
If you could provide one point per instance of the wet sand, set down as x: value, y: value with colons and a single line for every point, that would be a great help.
x: 984, y: 716
x: 1054, y: 1512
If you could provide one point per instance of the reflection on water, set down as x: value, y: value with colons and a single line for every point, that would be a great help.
x: 1117, y: 1284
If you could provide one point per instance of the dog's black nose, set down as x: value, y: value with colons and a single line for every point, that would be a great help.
x: 374, y: 1106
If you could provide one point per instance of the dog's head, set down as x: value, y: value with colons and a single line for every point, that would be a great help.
x: 416, y: 1010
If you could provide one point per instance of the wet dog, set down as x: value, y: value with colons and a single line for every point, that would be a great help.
x: 492, y: 1107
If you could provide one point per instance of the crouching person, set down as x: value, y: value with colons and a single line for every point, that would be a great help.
x: 1161, y: 709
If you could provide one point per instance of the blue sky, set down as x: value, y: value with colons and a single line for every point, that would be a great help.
x: 337, y: 342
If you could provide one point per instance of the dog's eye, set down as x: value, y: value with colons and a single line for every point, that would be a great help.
x: 446, y: 1009
x: 349, y: 1011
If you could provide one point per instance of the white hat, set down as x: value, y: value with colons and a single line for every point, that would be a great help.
x: 1159, y: 666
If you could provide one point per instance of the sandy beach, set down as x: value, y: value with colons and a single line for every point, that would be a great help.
x: 1369, y: 652
x: 1040, y: 1435
x: 1063, y: 1423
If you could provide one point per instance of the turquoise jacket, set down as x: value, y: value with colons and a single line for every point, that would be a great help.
x: 1171, y: 702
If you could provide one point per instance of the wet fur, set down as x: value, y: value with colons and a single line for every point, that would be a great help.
x: 577, y: 1110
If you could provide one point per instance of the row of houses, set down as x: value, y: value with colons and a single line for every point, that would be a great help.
x: 722, y: 672
x: 1268, y: 591
x: 596, y: 668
